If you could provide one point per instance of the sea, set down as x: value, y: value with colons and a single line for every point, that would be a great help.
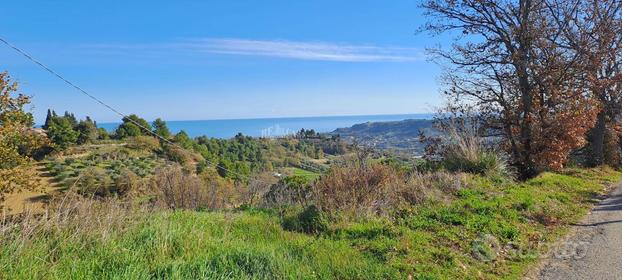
x: 272, y: 127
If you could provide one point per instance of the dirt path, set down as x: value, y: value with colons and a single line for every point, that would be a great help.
x: 595, y: 250
x: 32, y: 200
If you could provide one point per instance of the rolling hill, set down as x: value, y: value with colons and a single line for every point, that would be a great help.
x: 399, y: 136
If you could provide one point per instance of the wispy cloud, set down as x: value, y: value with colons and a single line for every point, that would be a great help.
x: 307, y: 50
x: 319, y: 51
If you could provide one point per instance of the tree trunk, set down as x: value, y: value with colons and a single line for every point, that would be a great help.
x: 597, y: 141
x: 527, y: 168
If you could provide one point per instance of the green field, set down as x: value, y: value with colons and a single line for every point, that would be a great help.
x: 310, y: 175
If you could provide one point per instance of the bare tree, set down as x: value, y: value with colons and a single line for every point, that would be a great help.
x: 593, y: 29
x: 505, y: 63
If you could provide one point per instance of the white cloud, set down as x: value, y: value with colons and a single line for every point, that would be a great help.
x: 319, y: 51
x: 306, y: 50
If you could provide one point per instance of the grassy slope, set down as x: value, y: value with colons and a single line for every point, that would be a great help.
x: 432, y: 241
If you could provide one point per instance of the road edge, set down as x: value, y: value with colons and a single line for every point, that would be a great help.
x: 534, y: 272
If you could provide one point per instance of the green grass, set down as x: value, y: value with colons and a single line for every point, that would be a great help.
x: 435, y: 240
x: 310, y: 175
x: 192, y: 245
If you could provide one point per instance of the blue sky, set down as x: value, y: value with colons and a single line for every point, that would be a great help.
x: 184, y: 60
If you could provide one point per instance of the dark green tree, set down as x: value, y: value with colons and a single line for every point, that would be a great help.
x: 160, y: 128
x: 48, y: 119
x: 132, y: 125
x: 87, y: 130
x: 62, y: 134
x: 102, y: 134
x: 223, y: 168
x: 71, y: 118
x: 183, y: 139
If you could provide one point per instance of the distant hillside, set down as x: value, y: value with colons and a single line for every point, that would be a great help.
x: 400, y: 136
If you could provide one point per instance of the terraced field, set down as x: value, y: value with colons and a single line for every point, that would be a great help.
x: 67, y: 171
x: 59, y: 173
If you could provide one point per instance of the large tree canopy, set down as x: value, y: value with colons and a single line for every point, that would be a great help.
x: 593, y: 29
x: 132, y: 126
x: 509, y: 64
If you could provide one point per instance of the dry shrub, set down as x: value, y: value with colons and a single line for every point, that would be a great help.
x: 462, y: 149
x: 292, y: 190
x: 143, y: 143
x: 467, y: 152
x: 182, y: 156
x: 438, y: 185
x: 221, y: 192
x: 94, y: 181
x: 128, y: 183
x: 258, y: 186
x: 176, y: 188
x: 358, y: 190
x: 377, y: 189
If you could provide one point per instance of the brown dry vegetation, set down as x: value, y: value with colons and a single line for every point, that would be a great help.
x: 377, y: 189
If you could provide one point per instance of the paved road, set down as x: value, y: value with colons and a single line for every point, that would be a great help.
x: 595, y: 251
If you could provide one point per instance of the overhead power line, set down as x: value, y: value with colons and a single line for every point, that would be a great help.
x: 124, y: 116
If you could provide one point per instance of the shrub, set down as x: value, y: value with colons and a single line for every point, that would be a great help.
x: 431, y: 185
x: 117, y: 154
x: 143, y: 143
x: 180, y: 155
x: 358, y: 190
x: 464, y: 151
x: 127, y: 182
x: 484, y: 163
x: 258, y: 186
x: 365, y: 190
x: 59, y: 177
x: 222, y: 193
x: 56, y: 168
x: 292, y: 190
x: 102, y: 134
x: 93, y: 181
x: 309, y: 220
x: 176, y: 188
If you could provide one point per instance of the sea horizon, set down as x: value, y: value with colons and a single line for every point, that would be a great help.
x: 272, y: 127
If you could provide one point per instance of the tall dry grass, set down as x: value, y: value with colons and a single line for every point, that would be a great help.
x: 357, y: 190
x: 463, y: 150
x: 177, y: 189
x: 438, y: 186
x: 73, y: 217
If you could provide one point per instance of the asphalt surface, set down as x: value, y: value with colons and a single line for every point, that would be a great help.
x: 594, y: 251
